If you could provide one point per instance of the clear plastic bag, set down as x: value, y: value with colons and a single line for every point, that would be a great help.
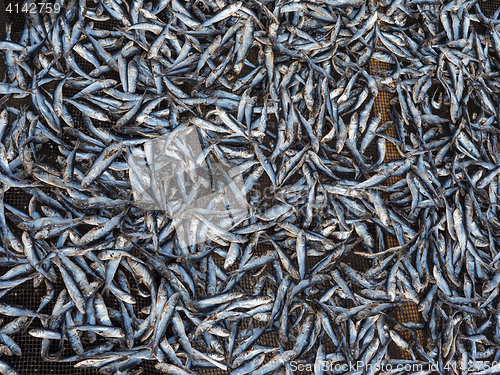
x: 173, y: 173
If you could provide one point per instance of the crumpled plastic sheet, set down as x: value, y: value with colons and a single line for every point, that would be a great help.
x: 172, y: 173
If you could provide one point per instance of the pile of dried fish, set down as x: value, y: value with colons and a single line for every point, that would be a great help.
x: 283, y: 95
